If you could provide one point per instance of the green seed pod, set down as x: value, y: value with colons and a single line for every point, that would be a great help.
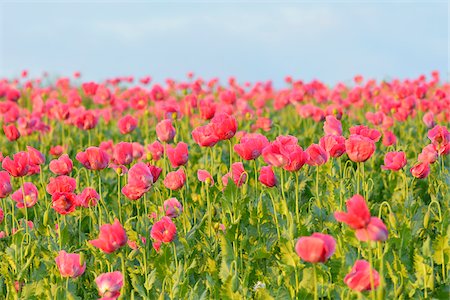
x: 216, y: 226
x: 426, y: 219
x: 149, y: 156
x: 119, y: 171
x: 392, y: 221
x: 82, y: 258
x: 45, y: 221
x: 234, y: 283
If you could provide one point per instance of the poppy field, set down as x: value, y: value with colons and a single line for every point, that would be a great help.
x: 222, y: 189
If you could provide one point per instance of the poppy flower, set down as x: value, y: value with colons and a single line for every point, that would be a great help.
x: 237, y: 174
x: 127, y: 124
x: 178, y: 155
x: 205, y: 176
x: 334, y: 145
x: 317, y: 156
x: 420, y: 170
x: 394, y: 161
x: 359, y: 148
x: 358, y: 217
x: 224, y: 126
x: 439, y: 137
x: 61, y: 166
x: 175, y: 180
x: 156, y: 150
x: 11, y: 132
x: 109, y: 284
x: 315, y: 248
x: 88, y: 197
x: 359, y: 277
x: 111, y: 237
x: 165, y: 131
x: 64, y: 203
x: 19, y: 165
x: 26, y: 195
x: 5, y: 184
x: 172, y: 208
x: 61, y: 184
x: 70, y: 264
x: 251, y: 146
x: 164, y: 230
x: 429, y: 154
x: 332, y: 126
x: 267, y: 176
x: 123, y: 153
x: 93, y: 158
x: 370, y: 133
x: 205, y: 136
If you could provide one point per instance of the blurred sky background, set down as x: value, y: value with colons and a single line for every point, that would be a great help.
x: 252, y: 40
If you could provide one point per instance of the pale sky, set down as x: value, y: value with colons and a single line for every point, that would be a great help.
x: 328, y: 40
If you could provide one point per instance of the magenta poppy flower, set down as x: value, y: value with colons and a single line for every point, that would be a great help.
x: 175, y: 180
x: 178, y: 155
x: 332, y: 126
x: 172, y: 208
x: 19, y: 165
x: 420, y: 170
x: 317, y: 156
x: 165, y: 131
x: 123, y: 153
x: 27, y: 195
x: 93, y: 158
x: 251, y: 146
x: 64, y: 203
x: 315, y: 248
x: 11, y: 132
x: 5, y: 184
x: 359, y: 148
x: 224, y: 126
x: 164, y: 230
x: 359, y: 277
x: 70, y: 264
x: 205, y: 176
x: 111, y: 237
x: 109, y: 285
x: 267, y: 176
x: 88, y: 197
x: 205, y: 136
x: 237, y: 174
x: 127, y: 124
x: 61, y: 166
x: 394, y: 161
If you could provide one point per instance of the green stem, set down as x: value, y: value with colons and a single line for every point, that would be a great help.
x: 118, y: 198
x: 175, y: 255
x: 275, y: 215
x: 67, y: 287
x: 372, y: 283
x: 357, y: 178
x: 231, y: 153
x: 25, y: 206
x: 208, y: 204
x: 317, y: 188
x: 297, y: 211
x: 316, y: 294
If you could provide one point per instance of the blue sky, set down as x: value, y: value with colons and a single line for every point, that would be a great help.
x: 328, y: 40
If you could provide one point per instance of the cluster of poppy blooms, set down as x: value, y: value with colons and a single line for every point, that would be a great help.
x: 221, y: 109
x: 320, y: 247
